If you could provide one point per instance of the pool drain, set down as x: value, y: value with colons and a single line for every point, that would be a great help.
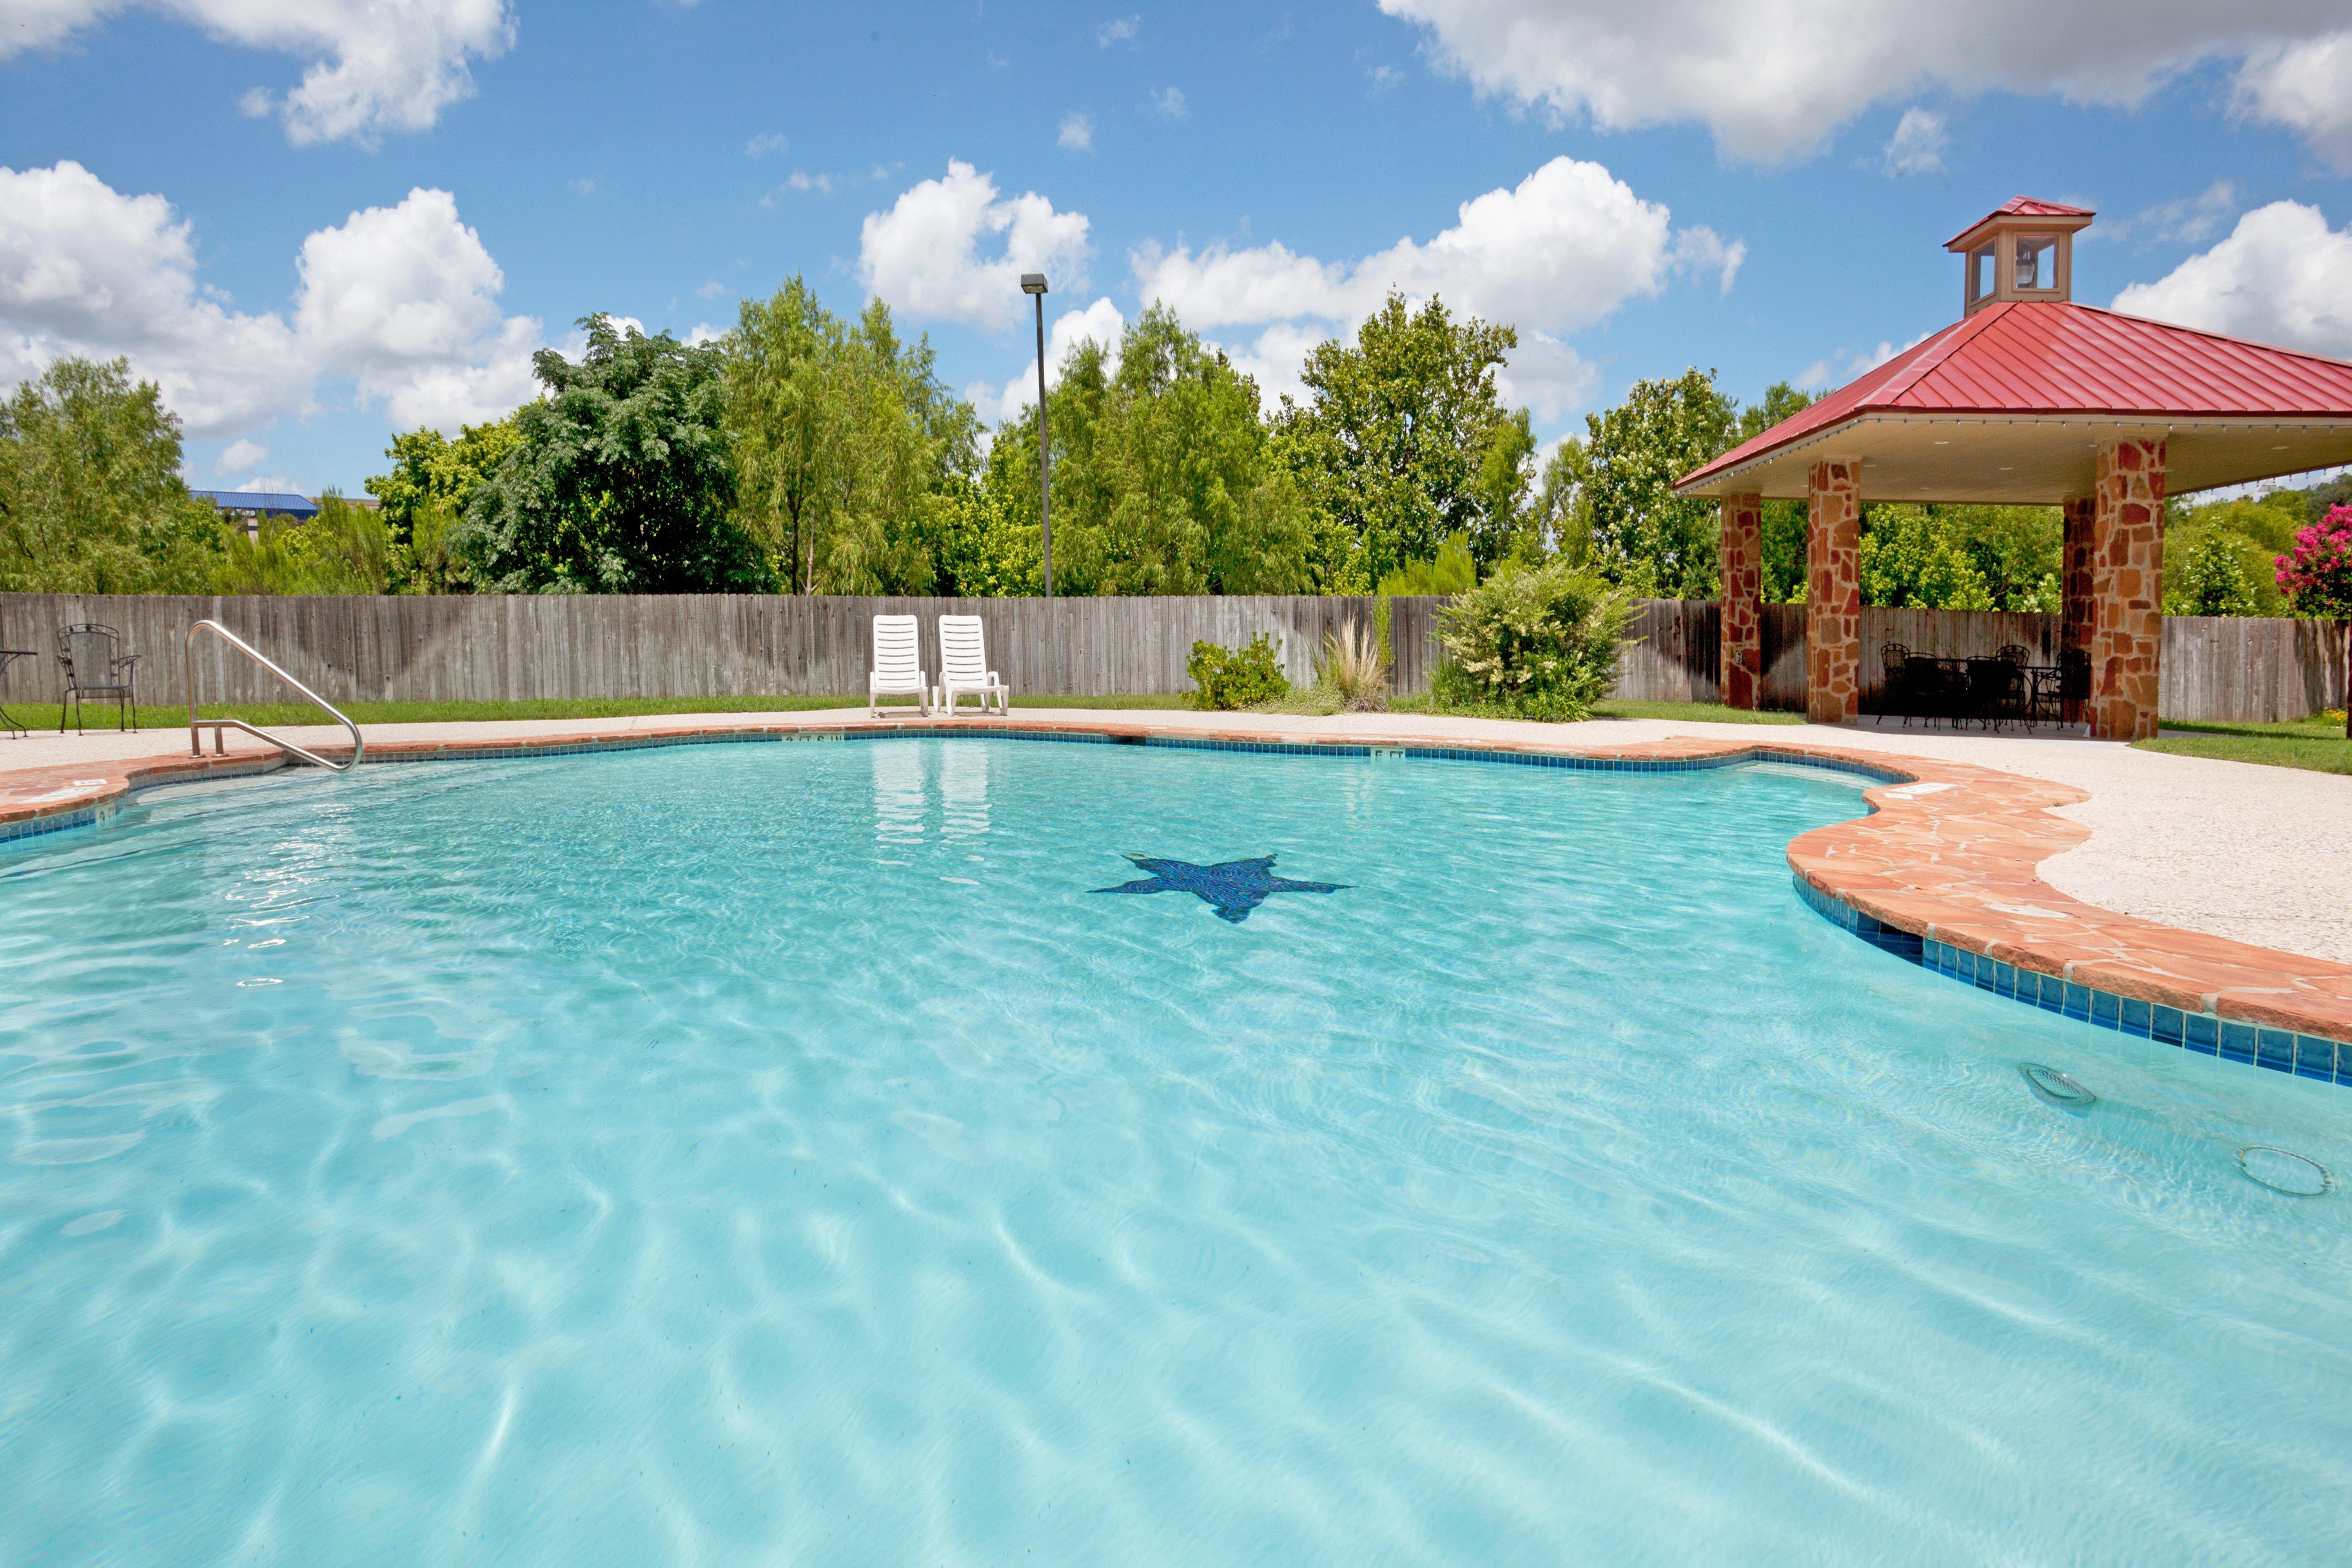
x: 2284, y: 1173
x: 2054, y: 1087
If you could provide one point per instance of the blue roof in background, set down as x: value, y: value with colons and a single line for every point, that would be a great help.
x: 269, y: 503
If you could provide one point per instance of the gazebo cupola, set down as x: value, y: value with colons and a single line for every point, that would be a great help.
x: 2029, y: 399
x: 2024, y: 249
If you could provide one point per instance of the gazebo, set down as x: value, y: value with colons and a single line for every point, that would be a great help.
x: 2028, y: 399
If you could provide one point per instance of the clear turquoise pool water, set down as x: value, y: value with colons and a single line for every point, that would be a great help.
x: 775, y: 1154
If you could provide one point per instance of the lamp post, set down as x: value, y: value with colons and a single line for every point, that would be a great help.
x: 1034, y: 284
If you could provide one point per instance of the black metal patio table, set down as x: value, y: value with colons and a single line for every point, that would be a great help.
x: 9, y: 655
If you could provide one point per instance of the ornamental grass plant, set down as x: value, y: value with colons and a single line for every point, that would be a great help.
x: 1354, y: 669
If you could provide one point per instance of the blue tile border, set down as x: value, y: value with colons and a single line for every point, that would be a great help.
x: 99, y: 811
x: 2281, y: 1050
x: 1424, y: 753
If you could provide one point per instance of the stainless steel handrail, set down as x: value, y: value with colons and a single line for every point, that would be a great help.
x: 220, y: 742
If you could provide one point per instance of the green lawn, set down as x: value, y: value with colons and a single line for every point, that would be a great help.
x: 1694, y: 714
x: 2316, y: 743
x: 42, y: 717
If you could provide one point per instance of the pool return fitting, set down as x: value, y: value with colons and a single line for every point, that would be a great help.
x: 220, y: 742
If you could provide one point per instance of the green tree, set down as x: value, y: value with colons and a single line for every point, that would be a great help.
x: 853, y: 456
x: 1404, y: 440
x: 1643, y: 537
x: 1913, y: 559
x: 623, y: 481
x: 1453, y: 572
x: 345, y: 549
x: 2254, y: 531
x: 91, y: 496
x: 424, y: 496
x: 1174, y: 488
x: 1559, y: 522
x: 1960, y: 557
x: 2210, y: 581
x: 984, y: 544
x: 1165, y: 479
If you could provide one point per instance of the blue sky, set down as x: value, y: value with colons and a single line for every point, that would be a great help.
x: 318, y: 222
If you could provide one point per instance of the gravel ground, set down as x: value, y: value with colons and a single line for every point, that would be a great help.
x: 2257, y: 853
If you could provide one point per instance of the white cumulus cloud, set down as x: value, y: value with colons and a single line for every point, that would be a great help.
x: 1101, y: 321
x: 1276, y: 359
x: 1773, y: 78
x: 1558, y: 253
x: 2305, y: 87
x: 371, y: 65
x: 1078, y: 134
x: 950, y: 249
x: 2190, y: 220
x: 399, y: 302
x: 2281, y: 277
x: 403, y: 301
x: 1918, y: 144
x: 241, y: 455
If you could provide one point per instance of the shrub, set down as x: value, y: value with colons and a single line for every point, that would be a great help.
x: 2318, y: 571
x: 1531, y: 644
x: 1355, y: 669
x: 1230, y: 678
x: 2318, y: 574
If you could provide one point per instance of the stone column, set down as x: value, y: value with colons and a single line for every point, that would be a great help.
x: 2126, y: 589
x: 1742, y: 556
x: 1833, y: 592
x: 2075, y: 589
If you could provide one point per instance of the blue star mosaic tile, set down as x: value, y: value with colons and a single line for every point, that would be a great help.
x: 1232, y: 888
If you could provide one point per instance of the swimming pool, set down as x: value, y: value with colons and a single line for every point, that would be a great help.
x: 783, y: 1153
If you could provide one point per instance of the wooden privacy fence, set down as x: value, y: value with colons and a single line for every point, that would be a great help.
x: 492, y: 647
x: 2239, y: 668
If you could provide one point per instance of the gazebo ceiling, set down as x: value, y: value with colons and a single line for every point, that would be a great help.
x: 2028, y: 461
x: 2011, y: 406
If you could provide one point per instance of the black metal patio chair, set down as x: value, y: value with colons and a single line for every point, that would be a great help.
x: 1996, y: 689
x: 2059, y: 694
x: 92, y: 668
x: 1897, y: 692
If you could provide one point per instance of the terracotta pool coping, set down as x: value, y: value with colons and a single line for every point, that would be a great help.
x: 1949, y: 855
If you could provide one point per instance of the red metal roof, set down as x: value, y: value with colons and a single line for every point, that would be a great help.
x: 2021, y: 207
x: 2048, y: 358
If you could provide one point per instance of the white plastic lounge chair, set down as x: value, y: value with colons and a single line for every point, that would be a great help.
x: 897, y: 665
x: 963, y: 665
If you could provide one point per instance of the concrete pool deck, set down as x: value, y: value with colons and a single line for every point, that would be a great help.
x: 2197, y: 884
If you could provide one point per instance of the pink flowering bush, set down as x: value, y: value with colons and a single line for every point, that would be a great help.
x: 2317, y: 572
